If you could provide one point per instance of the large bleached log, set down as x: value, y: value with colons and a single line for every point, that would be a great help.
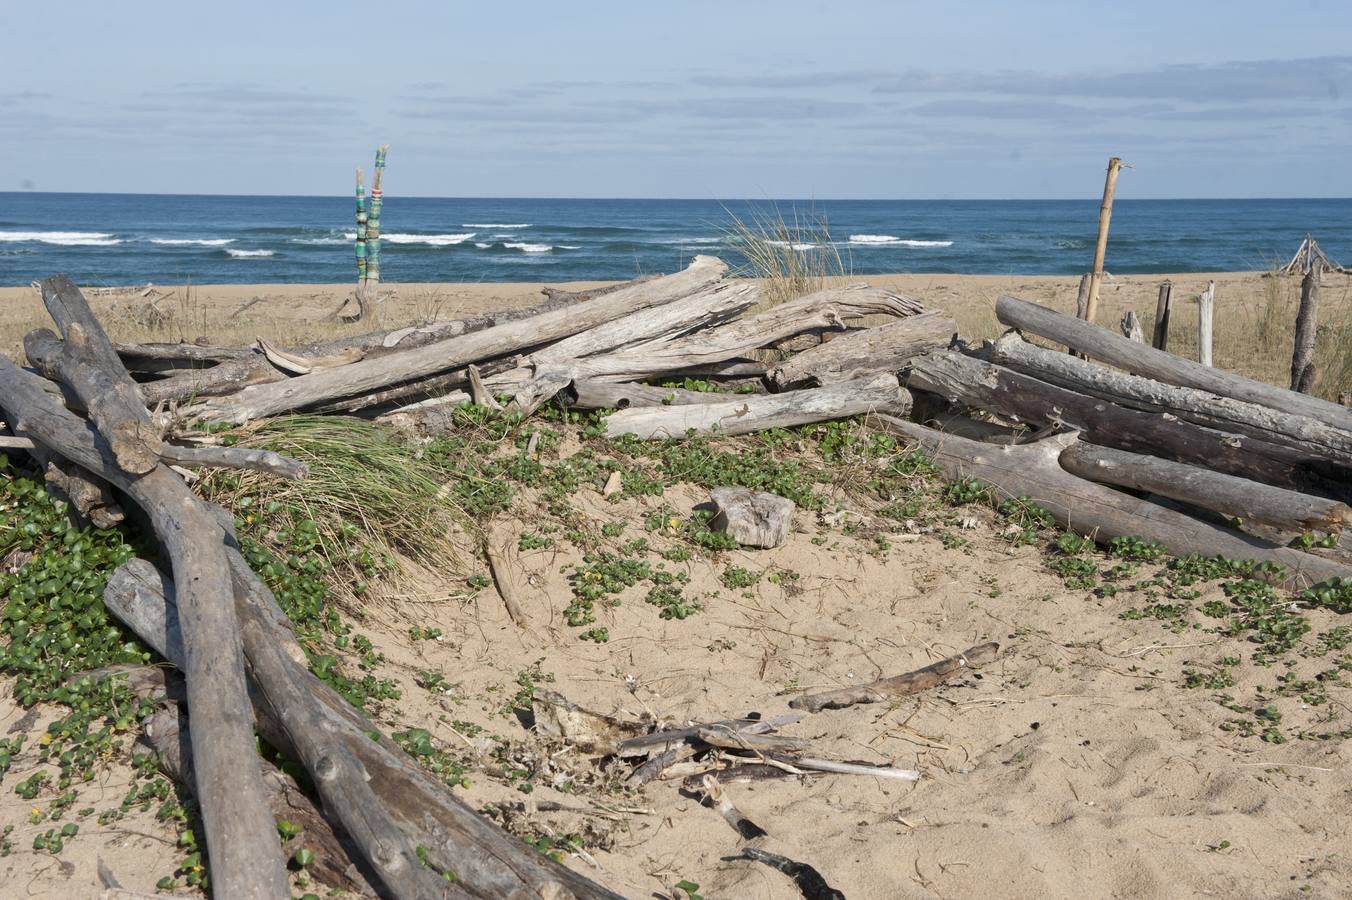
x: 240, y: 833
x: 1139, y: 359
x: 1012, y: 394
x: 745, y: 415
x: 1222, y: 413
x: 886, y: 348
x: 486, y: 861
x: 1034, y: 470
x: 593, y: 393
x: 257, y: 401
x: 1248, y: 500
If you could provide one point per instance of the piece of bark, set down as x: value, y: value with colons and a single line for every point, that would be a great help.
x: 166, y: 734
x: 719, y: 800
x: 886, y: 690
x: 731, y: 739
x: 486, y: 861
x: 1103, y: 345
x: 260, y: 400
x: 246, y: 861
x: 810, y: 882
x: 1248, y: 500
x: 1222, y: 413
x: 502, y: 580
x: 1012, y: 394
x: 90, y: 499
x: 863, y: 351
x: 1034, y: 470
x: 751, y: 518
x: 749, y: 414
x: 583, y: 729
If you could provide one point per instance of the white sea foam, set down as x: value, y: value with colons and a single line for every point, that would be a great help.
x: 569, y: 247
x: 493, y: 225
x: 892, y: 240
x: 691, y: 240
x: 61, y: 238
x: 529, y: 248
x: 481, y: 245
x: 197, y: 242
x: 321, y: 242
x: 795, y: 246
x: 434, y: 240
x: 248, y: 254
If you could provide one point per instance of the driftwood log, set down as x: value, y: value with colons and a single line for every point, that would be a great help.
x: 1302, y: 356
x: 1139, y: 359
x: 1034, y: 471
x: 751, y: 518
x: 753, y: 413
x: 864, y: 351
x: 885, y: 690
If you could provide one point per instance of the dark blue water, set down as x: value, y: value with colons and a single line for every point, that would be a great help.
x: 111, y: 239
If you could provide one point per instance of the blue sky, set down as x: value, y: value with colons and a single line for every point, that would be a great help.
x: 695, y: 99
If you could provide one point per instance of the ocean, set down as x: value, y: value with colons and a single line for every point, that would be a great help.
x: 121, y: 239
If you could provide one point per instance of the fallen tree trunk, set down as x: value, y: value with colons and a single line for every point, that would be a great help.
x: 592, y: 393
x: 1221, y: 413
x: 885, y: 690
x: 1139, y: 359
x: 881, y: 393
x: 1034, y: 471
x: 202, y: 458
x: 1234, y: 497
x: 259, y: 400
x: 1014, y: 395
x: 240, y: 833
x: 854, y: 354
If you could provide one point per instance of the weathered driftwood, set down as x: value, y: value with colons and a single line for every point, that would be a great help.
x: 731, y: 739
x: 166, y: 734
x: 1101, y: 243
x: 662, y: 741
x: 246, y: 859
x: 1034, y: 471
x: 881, y: 393
x: 259, y: 400
x: 206, y: 457
x: 1012, y: 394
x: 811, y: 884
x: 719, y: 800
x: 751, y: 518
x: 502, y: 580
x: 863, y: 351
x: 1164, y: 308
x: 1103, y: 345
x: 486, y: 861
x: 1224, y: 413
x: 1198, y: 486
x: 593, y: 393
x: 1206, y: 312
x: 1131, y: 327
x: 1302, y: 356
x: 1082, y: 297
x: 90, y: 498
x: 886, y: 690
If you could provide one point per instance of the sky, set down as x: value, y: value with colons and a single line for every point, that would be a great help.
x: 731, y: 99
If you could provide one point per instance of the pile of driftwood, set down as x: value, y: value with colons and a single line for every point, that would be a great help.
x: 1145, y: 444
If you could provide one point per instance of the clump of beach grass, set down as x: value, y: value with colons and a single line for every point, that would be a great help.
x: 370, y: 498
x: 789, y: 256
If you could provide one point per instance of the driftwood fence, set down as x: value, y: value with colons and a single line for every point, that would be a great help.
x: 1118, y: 438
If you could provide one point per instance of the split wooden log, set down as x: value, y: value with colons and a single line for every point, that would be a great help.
x: 881, y: 393
x: 887, y: 690
x: 1302, y: 356
x: 1082, y: 298
x: 166, y: 734
x: 1206, y: 312
x: 1012, y: 394
x: 593, y: 393
x: 1034, y: 471
x: 486, y: 861
x: 1159, y: 339
x: 90, y: 499
x: 1201, y: 487
x: 240, y: 833
x: 864, y: 351
x: 1103, y: 345
x: 1223, y: 413
x: 260, y: 400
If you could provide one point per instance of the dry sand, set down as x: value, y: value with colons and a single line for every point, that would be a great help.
x: 1076, y: 765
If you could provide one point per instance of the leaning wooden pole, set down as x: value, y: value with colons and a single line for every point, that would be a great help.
x: 1302, y: 356
x: 1101, y: 246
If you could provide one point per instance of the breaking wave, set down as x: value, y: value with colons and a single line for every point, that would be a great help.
x: 62, y: 238
x: 197, y: 242
x: 249, y: 254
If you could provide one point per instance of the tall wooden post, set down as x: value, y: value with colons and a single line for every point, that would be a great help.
x: 1206, y: 304
x: 1101, y: 247
x: 1163, y: 307
x: 1302, y: 357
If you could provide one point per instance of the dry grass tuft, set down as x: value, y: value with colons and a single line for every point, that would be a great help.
x: 790, y: 258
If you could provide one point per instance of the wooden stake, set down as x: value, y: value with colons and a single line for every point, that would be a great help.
x: 1131, y: 327
x: 1082, y: 298
x: 1160, y: 338
x: 1302, y: 357
x: 1101, y: 247
x: 1205, y: 310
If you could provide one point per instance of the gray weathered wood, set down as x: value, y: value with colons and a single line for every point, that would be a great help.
x: 1201, y: 487
x: 240, y: 833
x: 1034, y: 471
x: 886, y: 690
x: 751, y: 518
x: 259, y: 400
x: 1012, y: 394
x: 753, y: 413
x: 1103, y: 345
x: 593, y: 393
x: 1223, y: 413
x: 1131, y: 327
x: 206, y: 457
x: 1206, y: 313
x: 1302, y: 356
x: 1159, y: 339
x: 863, y: 351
